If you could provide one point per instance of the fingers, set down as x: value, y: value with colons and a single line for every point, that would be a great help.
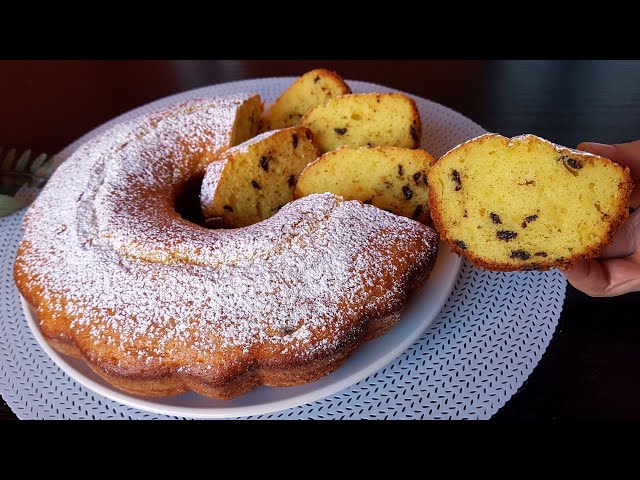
x: 605, y: 278
x: 601, y: 149
x: 626, y: 154
x: 611, y: 275
x: 626, y: 239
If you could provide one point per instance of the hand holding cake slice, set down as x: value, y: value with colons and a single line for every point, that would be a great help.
x: 525, y: 203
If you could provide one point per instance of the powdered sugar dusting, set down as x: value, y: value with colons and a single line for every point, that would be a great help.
x: 105, y: 252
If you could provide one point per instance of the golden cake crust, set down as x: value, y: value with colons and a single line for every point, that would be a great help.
x: 158, y: 305
x: 443, y: 225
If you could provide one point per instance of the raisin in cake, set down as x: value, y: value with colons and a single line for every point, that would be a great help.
x: 371, y: 119
x: 390, y: 178
x: 525, y: 203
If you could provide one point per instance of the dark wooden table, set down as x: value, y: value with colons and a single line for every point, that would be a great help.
x: 592, y: 366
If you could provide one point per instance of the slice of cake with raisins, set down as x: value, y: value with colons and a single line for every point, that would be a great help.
x: 390, y: 178
x: 312, y: 89
x: 525, y: 203
x: 367, y: 119
x: 252, y: 181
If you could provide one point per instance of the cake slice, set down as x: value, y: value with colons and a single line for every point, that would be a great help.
x: 247, y: 123
x: 313, y: 88
x: 525, y: 203
x: 370, y: 119
x: 390, y: 178
x: 252, y: 181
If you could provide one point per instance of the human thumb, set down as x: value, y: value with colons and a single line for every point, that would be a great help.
x: 625, y: 240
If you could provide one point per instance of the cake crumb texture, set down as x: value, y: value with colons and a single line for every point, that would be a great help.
x: 368, y: 119
x: 390, y: 178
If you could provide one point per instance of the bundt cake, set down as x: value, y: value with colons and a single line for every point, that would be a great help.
x: 313, y: 88
x: 158, y: 305
x: 390, y: 178
x: 525, y: 203
x: 254, y: 180
x: 372, y: 119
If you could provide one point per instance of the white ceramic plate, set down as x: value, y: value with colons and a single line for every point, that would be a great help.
x: 443, y: 129
x: 423, y: 308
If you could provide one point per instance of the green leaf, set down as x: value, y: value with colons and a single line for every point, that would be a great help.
x: 37, y: 163
x: 9, y: 205
x: 22, y: 161
x: 8, y: 160
x: 47, y: 168
x: 25, y: 171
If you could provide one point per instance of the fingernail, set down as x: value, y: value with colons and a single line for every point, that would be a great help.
x: 602, y: 149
